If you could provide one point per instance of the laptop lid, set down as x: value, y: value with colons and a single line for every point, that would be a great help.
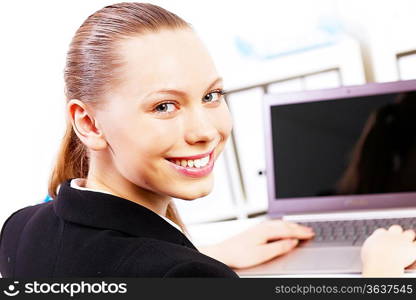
x: 340, y: 149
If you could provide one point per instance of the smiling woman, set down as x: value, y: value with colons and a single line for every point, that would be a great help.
x: 157, y: 123
x: 146, y: 121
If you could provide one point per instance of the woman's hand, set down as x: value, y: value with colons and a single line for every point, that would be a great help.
x: 386, y: 253
x: 259, y: 243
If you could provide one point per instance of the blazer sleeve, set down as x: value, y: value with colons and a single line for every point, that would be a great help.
x: 200, y: 269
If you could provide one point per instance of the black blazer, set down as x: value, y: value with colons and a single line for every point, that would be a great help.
x: 93, y: 234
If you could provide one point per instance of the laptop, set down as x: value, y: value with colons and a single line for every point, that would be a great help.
x: 342, y: 161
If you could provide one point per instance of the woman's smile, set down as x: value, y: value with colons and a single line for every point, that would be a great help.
x: 178, y: 112
x: 194, y: 166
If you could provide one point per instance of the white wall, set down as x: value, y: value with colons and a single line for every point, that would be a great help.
x: 384, y: 28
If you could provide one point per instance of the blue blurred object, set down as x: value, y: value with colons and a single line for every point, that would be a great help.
x: 47, y: 198
x: 328, y: 31
x: 244, y: 47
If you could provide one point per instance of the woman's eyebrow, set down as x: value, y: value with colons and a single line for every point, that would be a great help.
x: 183, y: 93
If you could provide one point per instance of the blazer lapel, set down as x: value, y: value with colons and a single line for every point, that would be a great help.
x: 106, y: 211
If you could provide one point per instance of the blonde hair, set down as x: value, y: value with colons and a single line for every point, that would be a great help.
x: 91, y: 69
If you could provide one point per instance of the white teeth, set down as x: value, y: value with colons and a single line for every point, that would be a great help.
x: 204, y: 161
x: 197, y: 163
x: 192, y: 163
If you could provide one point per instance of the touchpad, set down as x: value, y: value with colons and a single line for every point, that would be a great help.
x: 311, y: 260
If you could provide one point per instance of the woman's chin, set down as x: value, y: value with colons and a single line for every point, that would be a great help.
x: 194, y: 190
x: 191, y: 197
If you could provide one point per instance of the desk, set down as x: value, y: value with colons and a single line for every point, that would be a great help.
x: 211, y: 233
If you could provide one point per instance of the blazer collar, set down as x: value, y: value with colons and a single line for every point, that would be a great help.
x: 106, y: 211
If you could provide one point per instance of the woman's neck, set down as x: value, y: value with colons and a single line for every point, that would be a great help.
x: 112, y: 182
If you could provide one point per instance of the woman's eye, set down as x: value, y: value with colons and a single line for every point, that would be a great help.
x: 165, y: 108
x: 213, y: 96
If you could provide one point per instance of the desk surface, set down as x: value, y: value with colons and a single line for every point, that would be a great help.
x: 212, y: 233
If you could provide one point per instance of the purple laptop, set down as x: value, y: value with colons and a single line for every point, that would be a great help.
x: 342, y: 161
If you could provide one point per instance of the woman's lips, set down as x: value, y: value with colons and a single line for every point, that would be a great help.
x: 190, y: 157
x: 194, y: 166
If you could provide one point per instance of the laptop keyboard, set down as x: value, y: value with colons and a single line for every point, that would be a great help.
x: 351, y: 232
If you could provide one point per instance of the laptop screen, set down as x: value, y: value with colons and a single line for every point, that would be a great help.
x: 349, y: 146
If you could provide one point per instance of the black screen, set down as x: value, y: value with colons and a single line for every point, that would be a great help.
x: 361, y: 145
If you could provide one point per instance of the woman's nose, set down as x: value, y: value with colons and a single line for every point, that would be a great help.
x: 200, y: 129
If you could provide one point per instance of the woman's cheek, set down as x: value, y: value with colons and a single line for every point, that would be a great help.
x: 224, y: 121
x: 160, y: 136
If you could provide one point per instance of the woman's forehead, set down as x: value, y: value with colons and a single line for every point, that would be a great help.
x: 168, y: 59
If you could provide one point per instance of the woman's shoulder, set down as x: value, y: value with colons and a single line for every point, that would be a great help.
x: 20, y: 216
x: 114, y: 253
x: 158, y: 258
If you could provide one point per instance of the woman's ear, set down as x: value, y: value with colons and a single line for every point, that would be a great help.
x: 85, y: 125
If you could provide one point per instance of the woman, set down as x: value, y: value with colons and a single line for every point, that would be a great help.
x: 146, y: 122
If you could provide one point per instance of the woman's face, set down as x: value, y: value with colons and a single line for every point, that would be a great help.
x: 166, y: 122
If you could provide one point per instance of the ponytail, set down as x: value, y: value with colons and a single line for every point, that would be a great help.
x: 72, y: 161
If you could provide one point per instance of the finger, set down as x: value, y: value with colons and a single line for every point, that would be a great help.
x: 280, y: 223
x: 264, y: 231
x: 290, y: 230
x: 278, y: 229
x: 299, y: 226
x: 410, y: 234
x: 288, y: 223
x: 270, y: 250
x: 412, y: 256
x: 395, y: 229
x: 379, y: 230
x: 302, y: 232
